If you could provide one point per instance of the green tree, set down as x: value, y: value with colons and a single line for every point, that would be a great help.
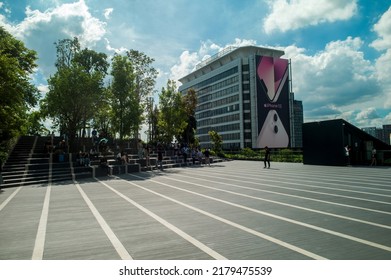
x: 35, y: 125
x: 94, y: 66
x: 189, y: 101
x: 133, y: 83
x: 102, y: 118
x: 154, y: 124
x: 145, y: 78
x: 217, y: 142
x: 17, y: 94
x: 172, y: 118
x: 76, y: 87
x: 122, y: 99
x: 150, y: 119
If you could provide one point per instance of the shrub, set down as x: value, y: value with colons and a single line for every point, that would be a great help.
x: 247, y: 152
x: 283, y: 155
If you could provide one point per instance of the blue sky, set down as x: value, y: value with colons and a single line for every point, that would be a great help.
x: 340, y: 49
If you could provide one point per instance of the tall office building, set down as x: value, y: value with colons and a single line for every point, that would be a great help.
x: 383, y: 134
x: 244, y: 95
x: 297, y: 119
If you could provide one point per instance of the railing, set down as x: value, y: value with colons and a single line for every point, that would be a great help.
x: 215, y: 57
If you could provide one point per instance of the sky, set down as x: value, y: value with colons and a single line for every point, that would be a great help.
x: 340, y: 50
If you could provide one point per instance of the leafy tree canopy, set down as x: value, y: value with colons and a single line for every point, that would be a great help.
x: 173, y: 118
x: 17, y: 94
x: 133, y: 82
x: 75, y: 89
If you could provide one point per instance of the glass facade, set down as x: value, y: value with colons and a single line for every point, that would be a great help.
x: 228, y: 97
x: 218, y: 106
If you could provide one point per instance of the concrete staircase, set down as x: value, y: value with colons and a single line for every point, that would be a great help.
x: 29, y: 163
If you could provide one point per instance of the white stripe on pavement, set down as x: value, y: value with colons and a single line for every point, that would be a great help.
x: 342, y: 235
x: 170, y: 226
x: 5, y: 202
x: 233, y: 224
x: 118, y: 246
x: 41, y: 233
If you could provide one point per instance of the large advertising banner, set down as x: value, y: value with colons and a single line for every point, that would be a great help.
x: 273, y: 102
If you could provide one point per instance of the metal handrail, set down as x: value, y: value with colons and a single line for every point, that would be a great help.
x: 215, y: 56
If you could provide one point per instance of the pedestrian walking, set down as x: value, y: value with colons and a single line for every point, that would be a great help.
x: 207, y: 157
x: 267, y: 157
x: 184, y: 154
x: 374, y: 161
x: 347, y: 155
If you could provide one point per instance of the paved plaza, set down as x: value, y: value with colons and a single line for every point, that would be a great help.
x: 232, y: 210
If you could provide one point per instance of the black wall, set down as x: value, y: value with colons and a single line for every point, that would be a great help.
x: 324, y: 142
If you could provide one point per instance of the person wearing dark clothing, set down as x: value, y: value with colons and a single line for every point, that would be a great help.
x: 104, y: 164
x: 267, y: 157
x: 207, y: 157
x: 184, y: 153
x: 159, y: 156
x: 193, y: 155
x: 374, y: 161
x: 1, y: 174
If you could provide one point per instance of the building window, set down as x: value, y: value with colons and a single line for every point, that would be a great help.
x: 246, y: 86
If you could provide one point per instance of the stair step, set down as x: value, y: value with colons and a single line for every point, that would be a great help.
x: 27, y: 166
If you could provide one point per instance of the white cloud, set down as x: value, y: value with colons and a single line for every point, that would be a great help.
x: 383, y: 70
x: 92, y: 29
x: 383, y: 30
x: 40, y: 30
x: 368, y: 117
x: 369, y: 113
x: 72, y: 19
x: 120, y: 50
x: 294, y: 14
x: 189, y: 60
x: 383, y: 63
x: 43, y: 88
x: 4, y: 8
x: 108, y: 13
x: 4, y: 12
x: 335, y: 80
x: 387, y: 119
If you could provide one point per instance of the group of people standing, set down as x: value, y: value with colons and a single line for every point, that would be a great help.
x: 144, y: 151
x: 186, y: 152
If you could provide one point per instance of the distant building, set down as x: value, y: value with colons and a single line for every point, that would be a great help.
x: 370, y: 130
x: 297, y: 118
x: 383, y: 134
x: 244, y: 95
x: 387, y: 133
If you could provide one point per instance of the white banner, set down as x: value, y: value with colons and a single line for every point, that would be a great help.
x: 176, y: 270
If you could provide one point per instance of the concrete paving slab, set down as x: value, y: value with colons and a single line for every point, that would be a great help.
x: 233, y: 210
